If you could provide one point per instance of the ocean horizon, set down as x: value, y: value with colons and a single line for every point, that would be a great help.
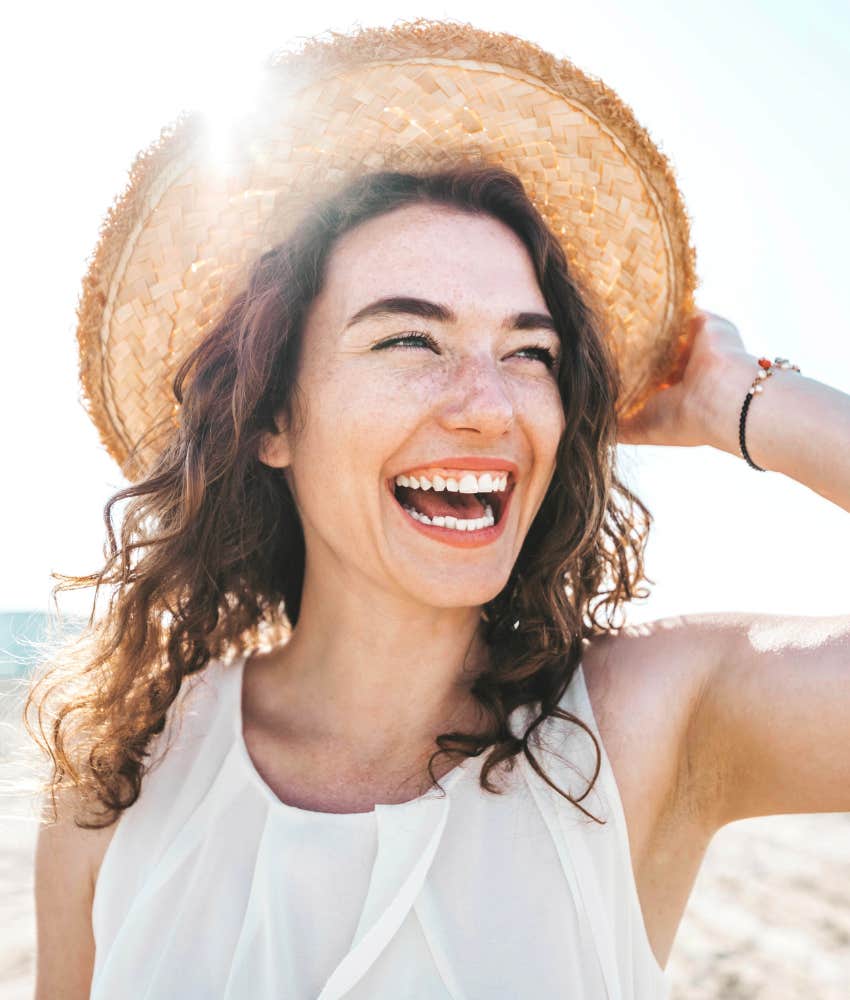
x: 20, y: 630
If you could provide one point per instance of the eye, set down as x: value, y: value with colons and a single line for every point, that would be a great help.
x: 543, y: 353
x: 424, y: 337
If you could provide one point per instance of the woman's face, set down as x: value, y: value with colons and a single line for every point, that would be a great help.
x: 466, y: 385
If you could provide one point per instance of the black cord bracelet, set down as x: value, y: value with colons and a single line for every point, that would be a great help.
x: 748, y: 399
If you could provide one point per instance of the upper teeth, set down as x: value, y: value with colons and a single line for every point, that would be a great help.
x: 466, y: 482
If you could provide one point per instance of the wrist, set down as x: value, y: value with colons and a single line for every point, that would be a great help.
x: 718, y: 404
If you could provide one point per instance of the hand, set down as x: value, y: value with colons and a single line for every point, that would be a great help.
x: 681, y: 414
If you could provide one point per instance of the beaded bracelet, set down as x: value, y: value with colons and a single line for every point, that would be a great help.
x: 766, y: 369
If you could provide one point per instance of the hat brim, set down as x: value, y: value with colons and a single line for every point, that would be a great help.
x: 181, y: 237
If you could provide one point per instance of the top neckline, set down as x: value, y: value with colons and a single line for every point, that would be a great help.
x: 447, y: 781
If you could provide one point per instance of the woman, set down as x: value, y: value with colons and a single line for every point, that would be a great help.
x: 400, y: 433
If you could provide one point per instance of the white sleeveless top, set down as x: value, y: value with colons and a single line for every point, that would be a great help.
x: 212, y: 887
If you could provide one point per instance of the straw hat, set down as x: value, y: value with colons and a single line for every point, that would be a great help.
x: 193, y: 218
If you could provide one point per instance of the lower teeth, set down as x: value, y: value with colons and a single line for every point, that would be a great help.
x: 455, y: 523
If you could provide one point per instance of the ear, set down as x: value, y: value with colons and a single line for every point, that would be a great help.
x: 274, y: 449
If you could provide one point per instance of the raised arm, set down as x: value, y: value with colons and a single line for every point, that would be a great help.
x: 796, y: 425
x: 772, y: 722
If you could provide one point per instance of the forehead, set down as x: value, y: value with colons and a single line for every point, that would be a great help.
x: 434, y: 252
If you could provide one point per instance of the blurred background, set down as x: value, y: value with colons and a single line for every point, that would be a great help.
x: 747, y: 100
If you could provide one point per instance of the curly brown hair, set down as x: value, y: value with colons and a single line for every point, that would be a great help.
x: 211, y: 554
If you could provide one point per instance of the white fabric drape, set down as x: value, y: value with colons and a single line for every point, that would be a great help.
x: 213, y: 888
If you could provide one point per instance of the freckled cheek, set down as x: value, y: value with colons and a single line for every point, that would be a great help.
x: 389, y: 404
x: 546, y: 422
x: 385, y: 402
x: 543, y: 402
x: 354, y: 427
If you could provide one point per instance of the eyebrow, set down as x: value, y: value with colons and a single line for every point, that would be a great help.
x: 399, y: 305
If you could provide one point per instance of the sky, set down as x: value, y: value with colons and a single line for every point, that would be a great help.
x: 747, y: 100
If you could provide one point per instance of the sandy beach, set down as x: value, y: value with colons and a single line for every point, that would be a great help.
x: 769, y: 916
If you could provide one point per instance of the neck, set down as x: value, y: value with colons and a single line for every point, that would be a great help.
x: 385, y: 681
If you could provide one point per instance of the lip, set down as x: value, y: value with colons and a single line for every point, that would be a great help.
x: 475, y: 463
x: 459, y: 539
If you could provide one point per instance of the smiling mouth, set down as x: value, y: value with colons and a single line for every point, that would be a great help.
x: 462, y: 506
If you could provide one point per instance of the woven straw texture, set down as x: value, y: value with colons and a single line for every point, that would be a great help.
x: 193, y: 217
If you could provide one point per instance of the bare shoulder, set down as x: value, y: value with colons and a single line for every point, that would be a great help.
x: 645, y: 684
x: 67, y: 859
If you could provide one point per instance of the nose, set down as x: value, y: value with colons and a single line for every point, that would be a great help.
x: 477, y: 399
